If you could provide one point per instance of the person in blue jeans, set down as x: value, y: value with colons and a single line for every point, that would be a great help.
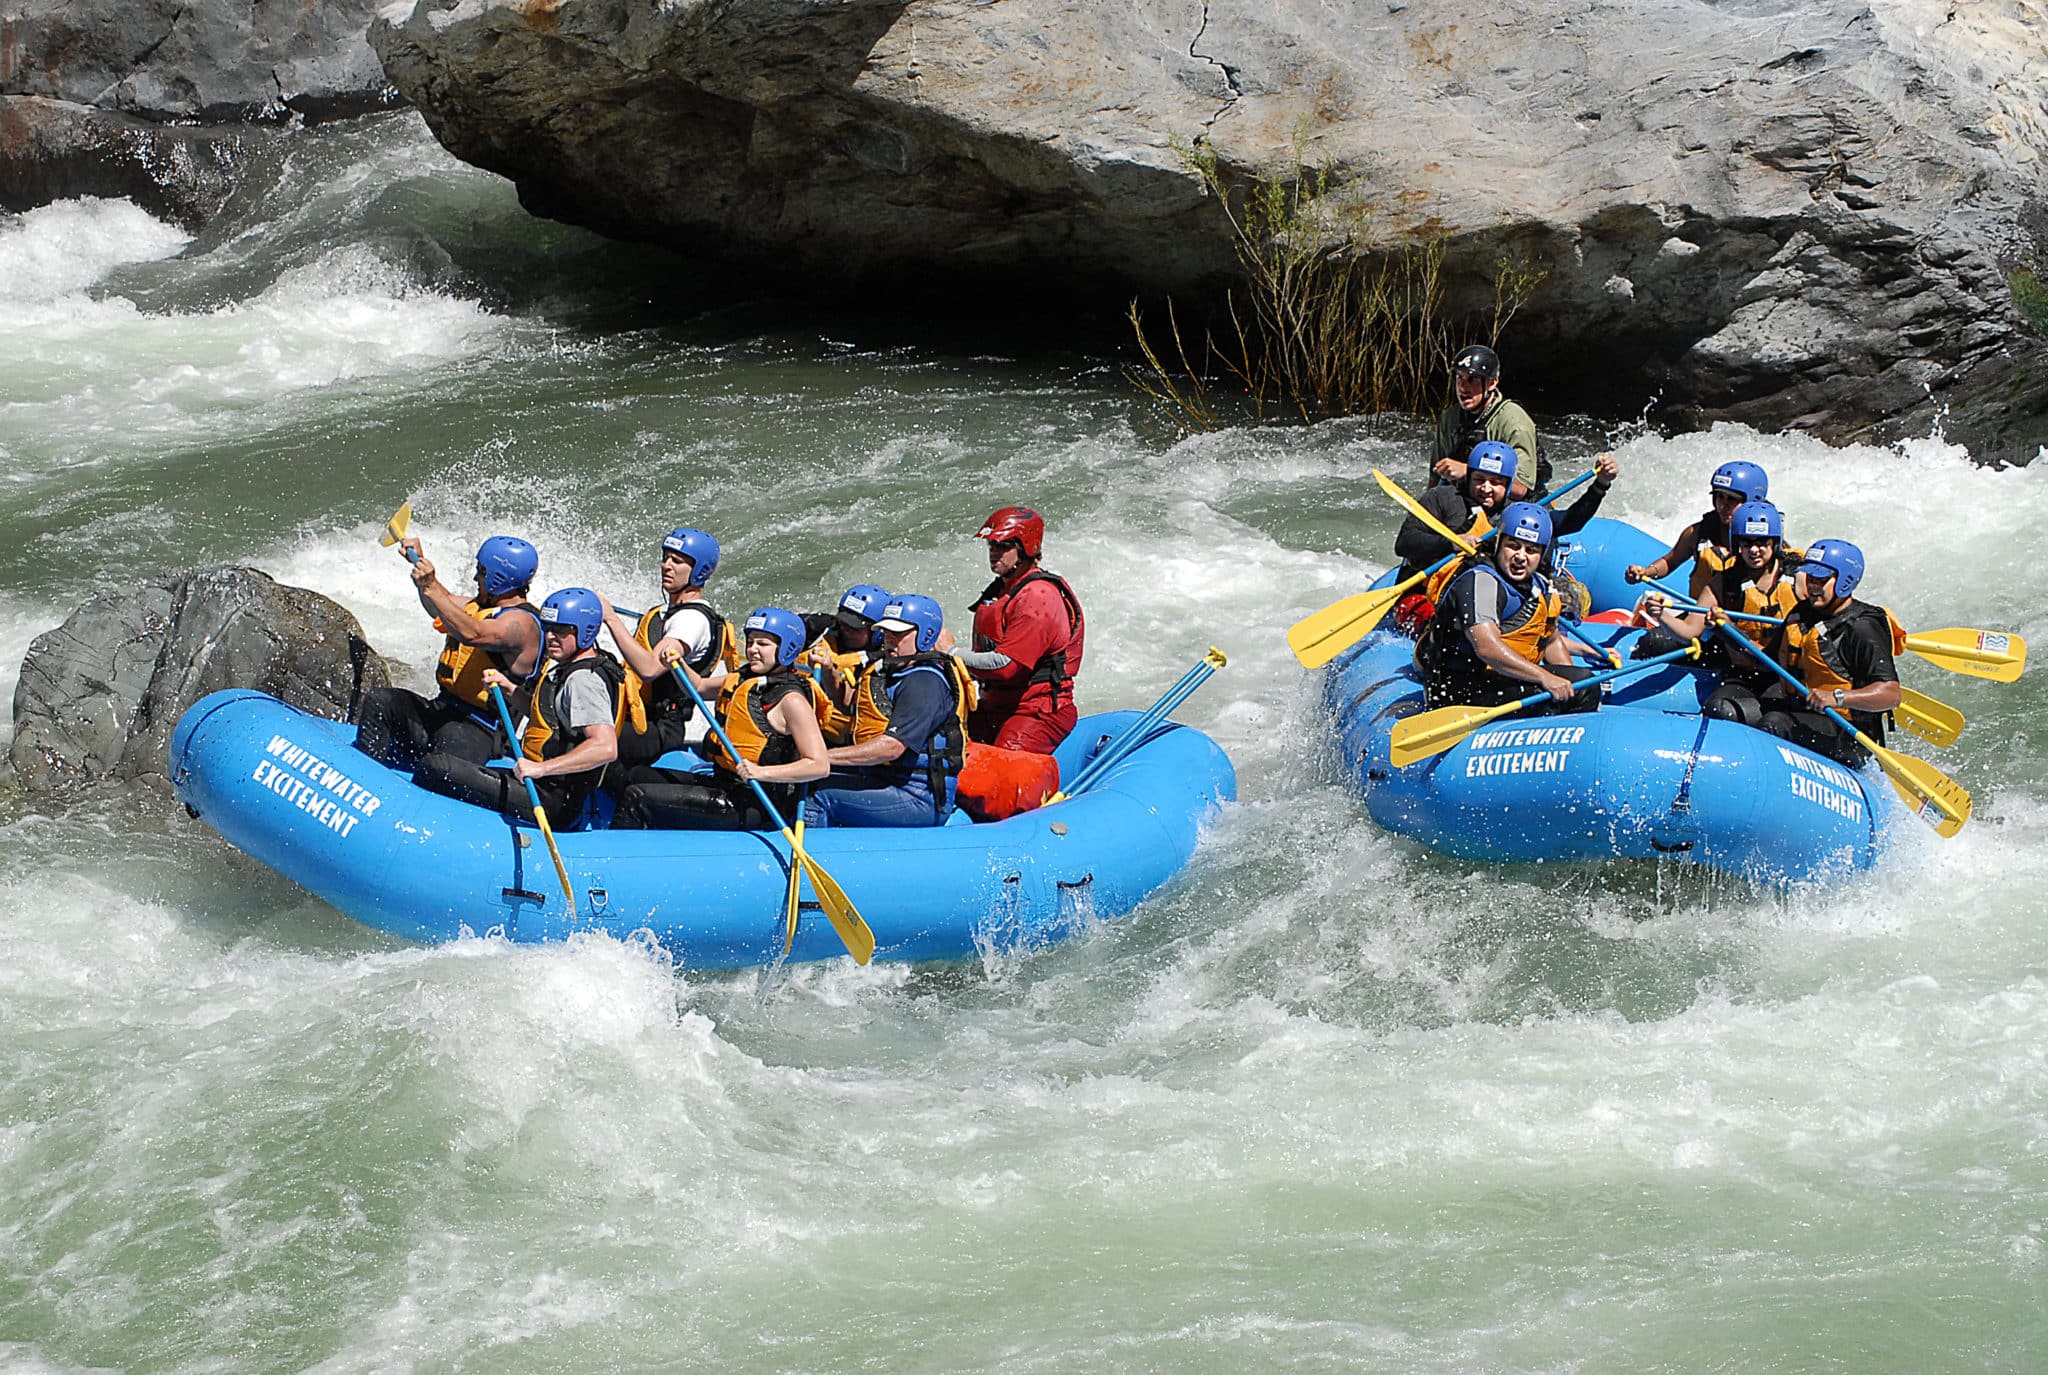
x: 909, y: 729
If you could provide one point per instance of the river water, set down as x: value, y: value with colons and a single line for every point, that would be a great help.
x: 1329, y: 1102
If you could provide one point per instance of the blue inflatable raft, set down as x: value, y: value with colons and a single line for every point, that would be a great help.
x: 291, y: 790
x: 1646, y: 776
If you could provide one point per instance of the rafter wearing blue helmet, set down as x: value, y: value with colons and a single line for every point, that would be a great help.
x: 682, y: 628
x: 1498, y: 630
x: 843, y: 640
x: 1707, y: 541
x: 1472, y: 504
x: 495, y: 629
x: 573, y: 717
x: 1843, y: 650
x: 909, y: 744
x: 1755, y: 583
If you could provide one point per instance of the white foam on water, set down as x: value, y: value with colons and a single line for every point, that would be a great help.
x: 1329, y: 1099
x: 52, y: 254
x: 91, y: 376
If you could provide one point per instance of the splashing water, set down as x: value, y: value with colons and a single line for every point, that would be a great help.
x: 1328, y: 1102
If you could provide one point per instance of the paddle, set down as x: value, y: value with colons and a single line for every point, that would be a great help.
x: 540, y: 813
x: 1321, y: 637
x: 1934, y: 797
x: 394, y: 531
x: 1115, y: 752
x: 1934, y: 721
x: 1433, y: 732
x: 845, y: 918
x: 1995, y: 654
x: 1929, y: 718
x: 793, y: 901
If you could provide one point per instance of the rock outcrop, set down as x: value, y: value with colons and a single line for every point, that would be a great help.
x: 100, y: 695
x: 1803, y: 214
x: 170, y: 103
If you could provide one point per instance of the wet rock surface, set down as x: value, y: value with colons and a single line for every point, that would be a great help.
x: 1806, y: 216
x: 170, y: 103
x: 99, y: 696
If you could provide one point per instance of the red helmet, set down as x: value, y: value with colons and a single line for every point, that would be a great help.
x: 1019, y: 523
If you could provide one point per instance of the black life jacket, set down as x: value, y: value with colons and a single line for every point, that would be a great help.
x: 548, y: 733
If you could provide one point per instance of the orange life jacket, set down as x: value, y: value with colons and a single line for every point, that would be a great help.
x: 460, y: 670
x: 1808, y: 648
x: 743, y: 710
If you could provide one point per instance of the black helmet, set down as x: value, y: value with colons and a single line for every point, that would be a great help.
x: 1477, y: 360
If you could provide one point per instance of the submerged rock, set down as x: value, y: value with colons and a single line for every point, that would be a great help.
x: 100, y: 694
x: 1799, y: 215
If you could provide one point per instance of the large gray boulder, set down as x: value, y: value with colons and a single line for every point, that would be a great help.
x: 100, y: 694
x: 1804, y: 213
x: 170, y: 103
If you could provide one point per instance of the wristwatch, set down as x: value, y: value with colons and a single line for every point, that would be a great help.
x: 1839, y: 699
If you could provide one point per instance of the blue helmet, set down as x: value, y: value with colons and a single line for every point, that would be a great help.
x: 696, y: 546
x: 912, y: 612
x: 1492, y: 456
x: 1526, y: 521
x: 1835, y: 558
x: 1745, y: 480
x: 865, y: 600
x: 1755, y: 519
x: 574, y: 608
x: 786, y: 627
x: 508, y: 564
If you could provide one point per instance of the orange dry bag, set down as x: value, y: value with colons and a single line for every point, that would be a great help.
x: 1001, y: 783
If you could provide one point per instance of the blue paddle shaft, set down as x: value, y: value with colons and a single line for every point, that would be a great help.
x: 1688, y: 606
x: 1581, y: 480
x: 1799, y: 689
x: 1533, y: 698
x: 1120, y: 748
x: 512, y: 739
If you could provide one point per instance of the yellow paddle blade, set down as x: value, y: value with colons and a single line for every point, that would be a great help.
x: 1935, y: 798
x: 1992, y: 654
x: 839, y: 909
x: 796, y: 882
x: 1433, y: 732
x: 1416, y: 509
x: 394, y: 529
x: 1932, y: 720
x: 540, y: 815
x: 1320, y: 638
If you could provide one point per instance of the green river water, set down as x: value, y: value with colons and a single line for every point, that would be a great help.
x: 1329, y: 1102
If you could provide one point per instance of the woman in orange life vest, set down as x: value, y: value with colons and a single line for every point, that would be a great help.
x: 1496, y: 634
x: 1028, y: 638
x: 1755, y: 583
x: 1706, y: 540
x: 573, y: 714
x: 684, y: 628
x: 909, y: 733
x: 498, y: 628
x: 1842, y: 650
x: 769, y: 711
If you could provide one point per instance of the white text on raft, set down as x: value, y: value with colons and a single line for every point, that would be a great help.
x: 318, y: 788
